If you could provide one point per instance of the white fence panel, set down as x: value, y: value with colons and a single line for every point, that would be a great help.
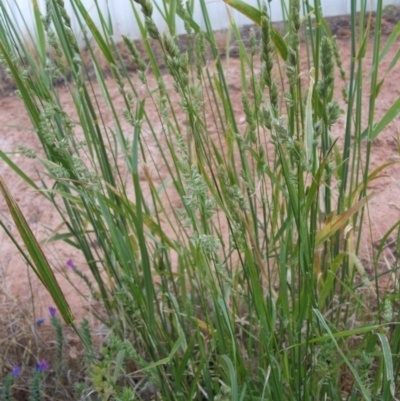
x: 123, y: 20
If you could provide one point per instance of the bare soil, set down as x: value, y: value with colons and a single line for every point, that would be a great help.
x: 20, y: 284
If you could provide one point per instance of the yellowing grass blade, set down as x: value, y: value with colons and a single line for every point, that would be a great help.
x: 372, y: 176
x: 339, y: 221
x: 42, y: 268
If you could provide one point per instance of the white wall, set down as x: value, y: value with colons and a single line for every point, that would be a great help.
x: 123, y: 19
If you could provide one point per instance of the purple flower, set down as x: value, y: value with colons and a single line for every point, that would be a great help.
x: 42, y: 366
x: 70, y: 264
x: 16, y: 371
x: 40, y: 321
x: 52, y: 311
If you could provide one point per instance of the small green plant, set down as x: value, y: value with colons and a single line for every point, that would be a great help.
x: 8, y: 382
x: 35, y: 387
x: 60, y: 337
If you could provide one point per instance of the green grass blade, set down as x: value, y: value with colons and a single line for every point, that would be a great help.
x: 43, y: 269
x: 389, y: 116
x: 387, y: 357
x: 41, y: 38
x: 103, y: 45
x: 255, y: 15
x: 17, y: 170
x: 232, y: 377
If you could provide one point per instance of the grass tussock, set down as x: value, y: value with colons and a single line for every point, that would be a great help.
x: 224, y: 248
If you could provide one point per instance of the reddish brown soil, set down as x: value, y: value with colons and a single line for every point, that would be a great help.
x: 15, y: 128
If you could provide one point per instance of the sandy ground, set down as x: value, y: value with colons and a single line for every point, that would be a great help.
x: 15, y: 128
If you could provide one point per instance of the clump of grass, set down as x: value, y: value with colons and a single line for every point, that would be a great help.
x: 228, y: 257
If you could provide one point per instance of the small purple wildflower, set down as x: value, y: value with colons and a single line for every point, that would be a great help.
x: 16, y: 371
x: 71, y: 264
x: 42, y: 366
x: 40, y: 321
x: 52, y: 311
